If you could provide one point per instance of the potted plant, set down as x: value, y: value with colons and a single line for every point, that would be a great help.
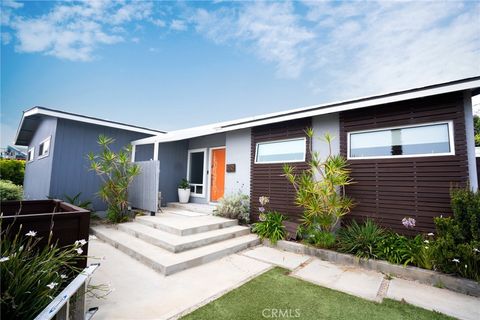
x: 183, y: 191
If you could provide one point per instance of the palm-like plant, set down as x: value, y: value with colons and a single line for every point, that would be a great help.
x: 320, y: 190
x: 117, y: 172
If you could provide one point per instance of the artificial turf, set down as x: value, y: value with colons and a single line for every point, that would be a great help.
x: 297, y: 299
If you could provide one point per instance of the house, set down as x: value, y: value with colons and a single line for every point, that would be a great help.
x: 13, y: 152
x: 58, y: 143
x: 405, y: 150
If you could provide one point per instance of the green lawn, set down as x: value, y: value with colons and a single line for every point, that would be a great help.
x: 276, y: 290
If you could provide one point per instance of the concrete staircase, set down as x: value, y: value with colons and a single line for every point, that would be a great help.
x: 171, y: 242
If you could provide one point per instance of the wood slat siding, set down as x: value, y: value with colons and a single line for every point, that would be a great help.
x: 268, y: 180
x: 390, y: 189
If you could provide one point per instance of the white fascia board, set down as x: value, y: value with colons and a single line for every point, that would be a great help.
x: 309, y: 111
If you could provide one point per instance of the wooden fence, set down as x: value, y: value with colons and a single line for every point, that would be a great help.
x: 143, y: 191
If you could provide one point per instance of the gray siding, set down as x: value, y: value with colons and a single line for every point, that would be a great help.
x: 144, y: 152
x: 238, y: 145
x: 173, y: 168
x: 74, y: 140
x: 38, y: 172
x: 211, y: 141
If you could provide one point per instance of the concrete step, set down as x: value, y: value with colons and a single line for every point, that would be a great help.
x: 194, y: 207
x: 183, y: 226
x: 165, y: 261
x: 175, y: 243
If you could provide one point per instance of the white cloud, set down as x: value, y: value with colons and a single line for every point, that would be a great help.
x: 272, y: 31
x: 159, y: 23
x: 12, y: 4
x: 178, y: 25
x: 6, y: 38
x: 72, y: 31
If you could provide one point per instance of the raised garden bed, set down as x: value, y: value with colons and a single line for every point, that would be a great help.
x: 68, y: 223
x: 429, y: 277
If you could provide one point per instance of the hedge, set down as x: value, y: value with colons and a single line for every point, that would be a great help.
x: 13, y: 170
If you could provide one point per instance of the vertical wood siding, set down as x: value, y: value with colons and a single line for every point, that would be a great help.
x: 390, y: 189
x: 268, y: 180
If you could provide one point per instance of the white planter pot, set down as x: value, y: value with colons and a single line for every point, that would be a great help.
x: 183, y: 195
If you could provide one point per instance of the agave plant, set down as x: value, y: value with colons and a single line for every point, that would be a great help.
x: 320, y: 190
x: 117, y: 172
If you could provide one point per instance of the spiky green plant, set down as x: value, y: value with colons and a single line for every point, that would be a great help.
x: 320, y: 190
x: 272, y: 227
x: 117, y: 172
x: 32, y: 275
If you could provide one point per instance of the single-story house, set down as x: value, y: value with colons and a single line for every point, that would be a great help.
x: 13, y: 152
x: 58, y: 143
x: 405, y: 150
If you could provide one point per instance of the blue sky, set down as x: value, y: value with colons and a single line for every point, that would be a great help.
x: 171, y: 65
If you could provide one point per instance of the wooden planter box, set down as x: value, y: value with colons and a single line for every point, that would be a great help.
x: 70, y: 223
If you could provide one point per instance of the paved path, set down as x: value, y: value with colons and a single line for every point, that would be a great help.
x: 139, y: 292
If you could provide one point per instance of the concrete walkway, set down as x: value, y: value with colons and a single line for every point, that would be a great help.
x: 141, y: 293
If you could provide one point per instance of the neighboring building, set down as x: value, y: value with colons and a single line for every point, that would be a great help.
x: 11, y: 152
x: 58, y: 143
x: 405, y: 149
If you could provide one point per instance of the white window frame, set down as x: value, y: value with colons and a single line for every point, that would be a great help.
x: 280, y: 161
x: 205, y: 164
x: 40, y: 156
x: 420, y: 155
x: 32, y: 149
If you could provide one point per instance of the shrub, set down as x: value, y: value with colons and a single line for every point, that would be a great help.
x: 117, y: 172
x: 466, y: 212
x: 315, y: 236
x: 234, y: 206
x: 360, y: 240
x: 320, y: 189
x: 395, y: 248
x: 13, y: 170
x: 10, y: 191
x: 272, y: 227
x: 33, y: 276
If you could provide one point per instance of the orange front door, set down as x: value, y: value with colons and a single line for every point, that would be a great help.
x: 218, y: 174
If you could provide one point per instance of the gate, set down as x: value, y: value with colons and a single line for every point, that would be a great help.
x: 143, y: 191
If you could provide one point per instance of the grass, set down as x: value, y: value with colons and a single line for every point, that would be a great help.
x: 276, y: 290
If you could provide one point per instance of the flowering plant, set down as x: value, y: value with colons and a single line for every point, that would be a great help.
x: 408, y: 223
x: 32, y: 275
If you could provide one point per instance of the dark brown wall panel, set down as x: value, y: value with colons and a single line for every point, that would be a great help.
x: 268, y: 180
x: 390, y: 189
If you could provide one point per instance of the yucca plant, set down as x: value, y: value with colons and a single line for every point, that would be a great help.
x: 320, y: 190
x: 31, y: 276
x: 361, y: 240
x: 117, y: 172
x: 75, y: 200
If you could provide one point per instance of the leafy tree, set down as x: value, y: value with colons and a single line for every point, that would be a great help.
x: 476, y: 126
x: 320, y: 189
x: 117, y: 172
x: 13, y: 170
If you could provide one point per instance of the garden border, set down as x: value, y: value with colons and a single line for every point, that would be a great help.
x: 425, y: 276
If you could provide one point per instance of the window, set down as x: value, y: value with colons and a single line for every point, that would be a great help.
x: 44, y: 148
x: 30, y: 154
x: 196, y: 172
x: 434, y: 139
x: 281, y: 151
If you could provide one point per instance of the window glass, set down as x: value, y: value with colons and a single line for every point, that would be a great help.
x: 281, y: 151
x: 44, y: 148
x: 418, y: 140
x: 30, y: 154
x: 196, y: 167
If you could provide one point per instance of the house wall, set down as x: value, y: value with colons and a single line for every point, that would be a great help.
x: 388, y: 190
x: 210, y: 141
x: 321, y: 125
x: 173, y: 168
x: 38, y: 172
x: 238, y: 145
x: 268, y: 180
x: 144, y: 152
x: 74, y: 140
x: 470, y: 143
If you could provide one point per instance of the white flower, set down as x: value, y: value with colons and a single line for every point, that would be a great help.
x: 63, y: 276
x: 465, y: 266
x: 426, y: 248
x: 92, y: 237
x: 426, y: 241
x: 456, y: 260
x: 430, y: 234
x: 52, y: 285
x: 3, y: 259
x: 476, y: 250
x: 80, y: 243
x: 31, y: 233
x: 79, y: 250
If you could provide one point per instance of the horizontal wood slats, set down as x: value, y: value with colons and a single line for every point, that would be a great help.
x: 390, y: 189
x: 268, y: 180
